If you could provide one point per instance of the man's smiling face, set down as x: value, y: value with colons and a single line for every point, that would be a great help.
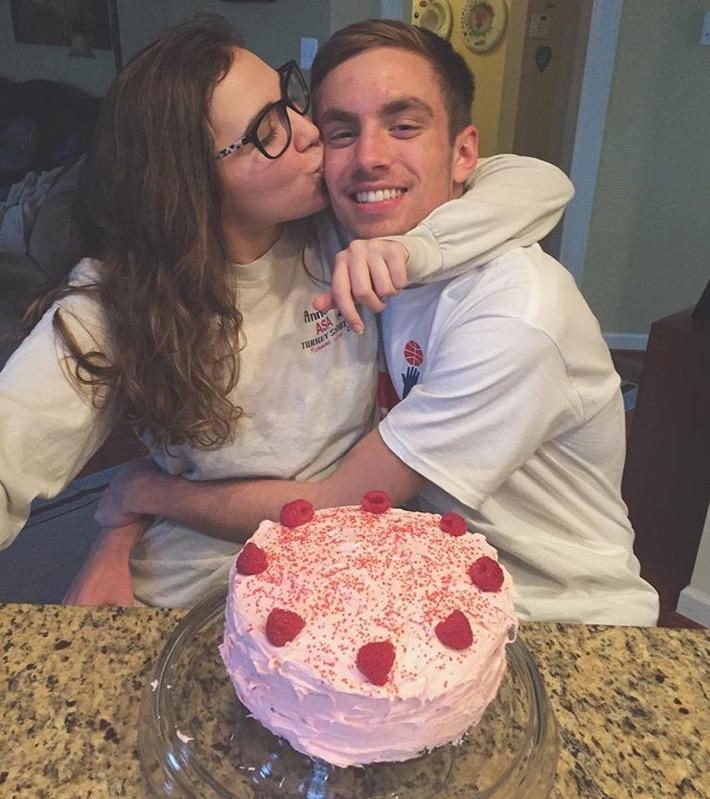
x: 389, y: 158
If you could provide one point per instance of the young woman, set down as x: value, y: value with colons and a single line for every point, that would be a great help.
x: 193, y: 318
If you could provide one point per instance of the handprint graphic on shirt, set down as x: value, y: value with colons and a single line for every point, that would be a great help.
x: 414, y: 356
x: 410, y: 379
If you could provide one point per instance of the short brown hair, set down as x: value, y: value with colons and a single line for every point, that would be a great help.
x: 455, y: 78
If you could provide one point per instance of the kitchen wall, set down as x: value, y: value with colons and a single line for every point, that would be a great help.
x: 497, y: 74
x: 648, y: 253
x: 29, y: 61
x: 273, y: 30
x: 342, y: 12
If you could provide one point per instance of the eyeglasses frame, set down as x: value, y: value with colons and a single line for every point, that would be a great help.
x: 283, y: 104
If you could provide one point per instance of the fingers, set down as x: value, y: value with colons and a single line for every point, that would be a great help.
x: 324, y: 302
x: 343, y: 297
x: 372, y: 283
x: 396, y: 257
x: 369, y: 280
x: 367, y: 272
x: 108, y: 515
x: 368, y: 265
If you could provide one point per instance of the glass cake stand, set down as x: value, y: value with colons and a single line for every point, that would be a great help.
x: 196, y: 740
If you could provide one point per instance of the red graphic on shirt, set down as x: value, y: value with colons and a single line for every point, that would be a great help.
x: 386, y: 394
x: 413, y: 355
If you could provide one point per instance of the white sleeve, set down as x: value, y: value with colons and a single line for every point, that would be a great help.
x: 48, y: 426
x: 497, y: 390
x: 510, y: 201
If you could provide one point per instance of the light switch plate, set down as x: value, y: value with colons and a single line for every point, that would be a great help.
x: 539, y: 26
x: 309, y: 47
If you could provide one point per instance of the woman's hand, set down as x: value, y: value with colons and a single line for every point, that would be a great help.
x: 120, y: 503
x: 368, y: 271
x: 105, y: 577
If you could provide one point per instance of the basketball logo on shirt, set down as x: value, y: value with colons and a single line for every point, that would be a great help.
x: 414, y: 356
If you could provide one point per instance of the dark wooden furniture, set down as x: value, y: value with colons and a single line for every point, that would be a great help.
x: 667, y: 477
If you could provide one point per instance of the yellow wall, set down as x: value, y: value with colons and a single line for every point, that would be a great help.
x: 497, y: 74
x: 512, y: 76
x: 489, y: 71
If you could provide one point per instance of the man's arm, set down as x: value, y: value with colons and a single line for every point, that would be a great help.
x: 105, y: 577
x: 232, y: 510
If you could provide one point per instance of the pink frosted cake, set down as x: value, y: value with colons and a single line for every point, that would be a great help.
x: 363, y: 633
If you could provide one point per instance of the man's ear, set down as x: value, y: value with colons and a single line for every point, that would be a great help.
x: 465, y: 154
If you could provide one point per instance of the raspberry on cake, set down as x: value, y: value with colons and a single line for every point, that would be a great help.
x: 486, y: 573
x: 455, y: 631
x: 375, y: 661
x: 296, y: 513
x: 453, y: 524
x: 372, y: 634
x: 283, y: 626
x: 376, y: 502
x: 251, y: 560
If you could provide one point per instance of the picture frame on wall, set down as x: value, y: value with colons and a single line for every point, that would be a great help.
x: 53, y: 22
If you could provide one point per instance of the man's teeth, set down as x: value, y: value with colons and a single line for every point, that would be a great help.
x: 377, y: 196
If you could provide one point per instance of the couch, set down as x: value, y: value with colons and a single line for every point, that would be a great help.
x: 37, y: 247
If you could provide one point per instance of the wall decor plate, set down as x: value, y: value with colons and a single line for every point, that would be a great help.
x: 483, y: 23
x: 434, y: 15
x: 53, y: 22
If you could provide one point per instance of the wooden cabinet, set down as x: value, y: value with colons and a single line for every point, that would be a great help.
x: 667, y: 476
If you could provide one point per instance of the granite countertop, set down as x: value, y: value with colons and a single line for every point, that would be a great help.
x: 631, y: 704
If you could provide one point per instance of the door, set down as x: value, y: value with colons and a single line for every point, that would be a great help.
x: 528, y: 58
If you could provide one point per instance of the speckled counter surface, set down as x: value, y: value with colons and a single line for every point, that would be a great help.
x: 632, y: 705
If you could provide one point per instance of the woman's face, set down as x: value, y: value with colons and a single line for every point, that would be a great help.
x: 259, y: 193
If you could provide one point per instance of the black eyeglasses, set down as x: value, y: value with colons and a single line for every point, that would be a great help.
x: 270, y: 132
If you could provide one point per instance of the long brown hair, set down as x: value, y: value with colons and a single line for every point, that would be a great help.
x: 150, y: 210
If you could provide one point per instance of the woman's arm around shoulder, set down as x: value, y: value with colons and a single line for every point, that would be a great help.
x: 510, y: 201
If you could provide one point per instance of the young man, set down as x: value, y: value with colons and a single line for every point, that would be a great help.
x: 511, y: 413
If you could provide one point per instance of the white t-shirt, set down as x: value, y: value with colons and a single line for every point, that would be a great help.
x: 513, y: 412
x: 295, y: 370
x: 306, y: 381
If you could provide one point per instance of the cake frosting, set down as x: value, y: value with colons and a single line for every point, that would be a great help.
x: 354, y: 578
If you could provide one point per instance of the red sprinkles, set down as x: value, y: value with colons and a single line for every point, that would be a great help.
x: 375, y: 661
x: 486, y: 573
x: 251, y: 560
x: 283, y: 626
